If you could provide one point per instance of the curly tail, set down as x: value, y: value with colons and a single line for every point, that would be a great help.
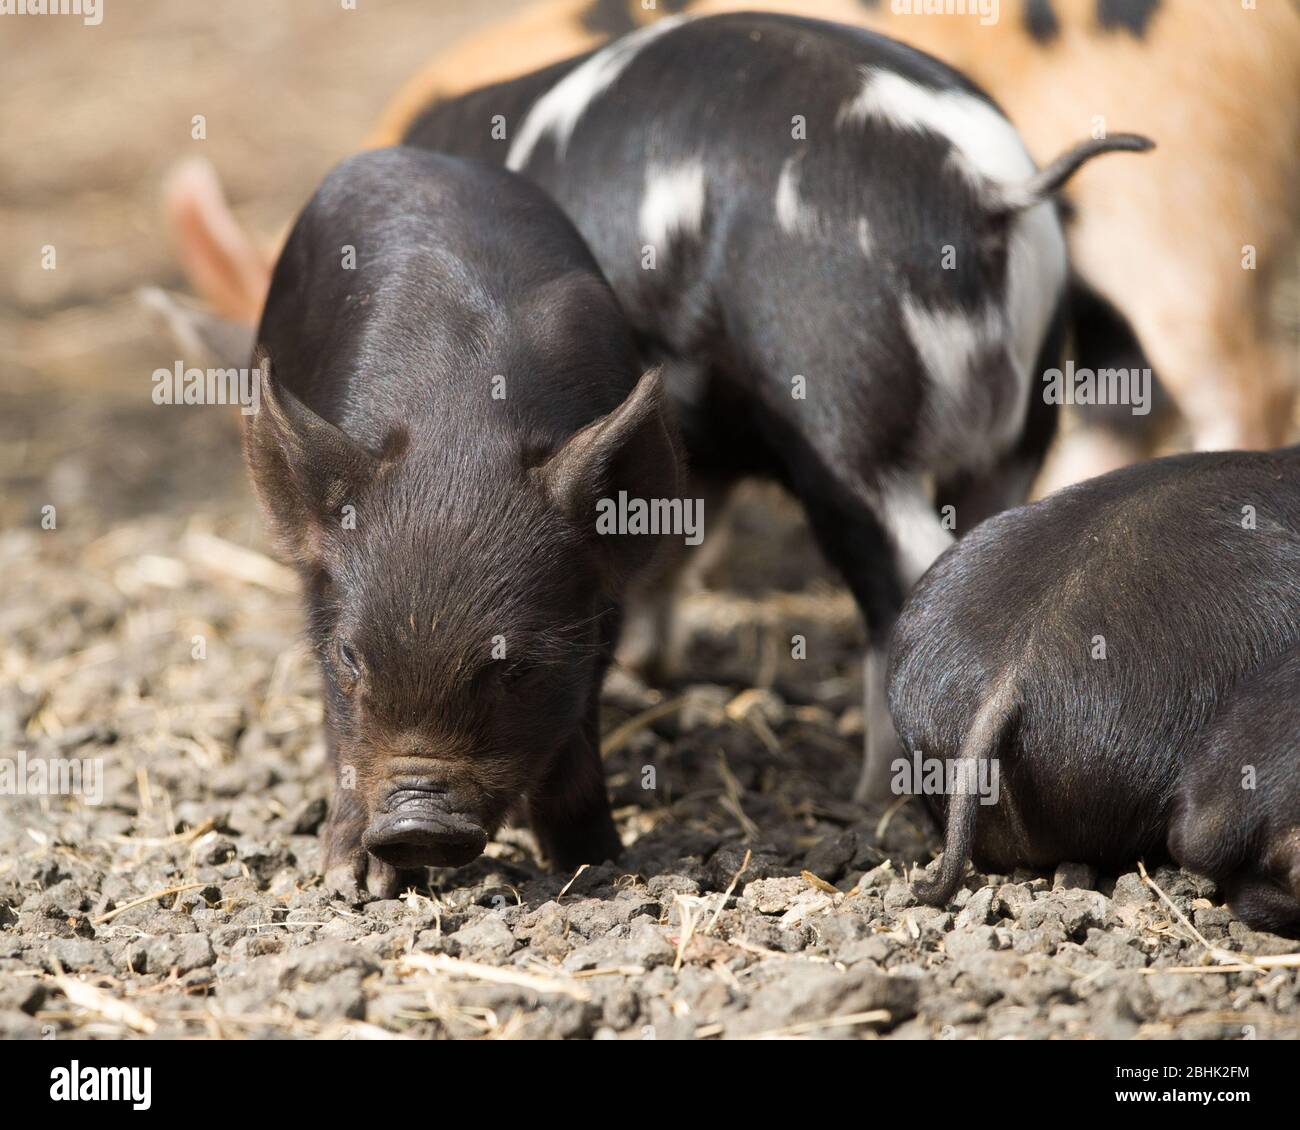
x: 1049, y: 180
x: 982, y: 740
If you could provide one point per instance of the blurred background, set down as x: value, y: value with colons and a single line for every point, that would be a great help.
x: 93, y: 119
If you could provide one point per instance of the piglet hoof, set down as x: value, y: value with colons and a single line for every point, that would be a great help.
x: 383, y: 880
x: 351, y: 872
x: 356, y: 876
x: 362, y: 879
x: 345, y: 864
x: 344, y: 881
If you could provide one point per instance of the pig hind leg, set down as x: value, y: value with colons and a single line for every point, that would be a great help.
x: 915, y: 537
x: 976, y: 495
x: 649, y: 643
x: 881, y: 540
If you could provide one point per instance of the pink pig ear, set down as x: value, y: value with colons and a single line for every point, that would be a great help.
x: 224, y: 266
x: 634, y: 449
x: 303, y: 467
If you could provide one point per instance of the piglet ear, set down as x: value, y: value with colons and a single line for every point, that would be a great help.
x: 303, y: 467
x: 634, y: 449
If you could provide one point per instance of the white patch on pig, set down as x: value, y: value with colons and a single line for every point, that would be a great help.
x: 949, y: 341
x: 989, y: 152
x: 908, y: 515
x: 863, y: 232
x: 793, y: 215
x: 673, y: 204
x: 987, y: 142
x: 558, y: 110
x: 974, y: 414
x: 1036, y: 273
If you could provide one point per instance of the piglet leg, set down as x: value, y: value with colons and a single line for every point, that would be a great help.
x: 349, y: 868
x: 917, y: 537
x: 570, y: 813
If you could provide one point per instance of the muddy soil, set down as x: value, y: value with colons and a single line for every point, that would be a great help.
x: 151, y: 634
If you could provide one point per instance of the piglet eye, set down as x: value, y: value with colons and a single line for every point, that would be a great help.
x: 348, y: 659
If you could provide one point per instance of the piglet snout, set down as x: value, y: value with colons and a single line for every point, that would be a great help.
x: 419, y: 829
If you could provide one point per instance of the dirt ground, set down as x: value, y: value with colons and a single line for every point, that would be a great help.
x: 150, y: 632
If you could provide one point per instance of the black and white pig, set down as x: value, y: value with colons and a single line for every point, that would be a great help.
x: 452, y: 389
x: 1236, y: 814
x: 1081, y: 646
x: 843, y: 254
